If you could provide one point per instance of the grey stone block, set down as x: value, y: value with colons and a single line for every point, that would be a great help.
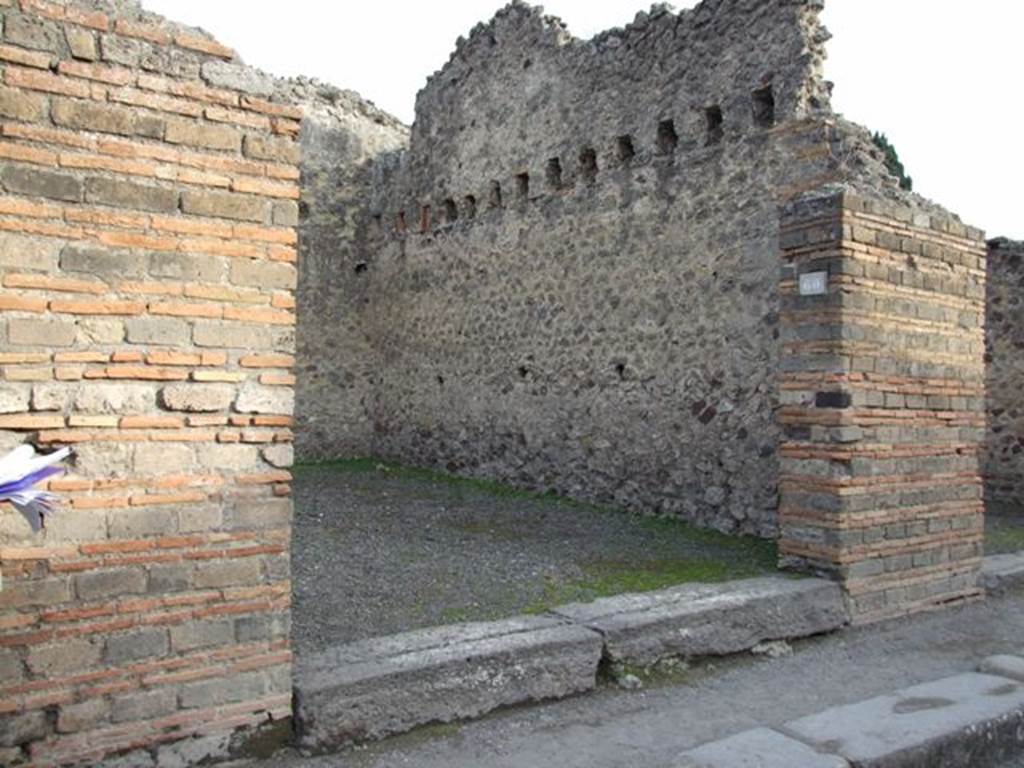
x: 237, y: 77
x: 759, y: 748
x: 1004, y: 666
x: 201, y: 750
x: 710, y: 619
x: 966, y: 720
x: 1000, y: 573
x: 202, y: 634
x: 113, y: 583
x: 144, y: 705
x: 132, y: 646
x: 32, y: 181
x: 22, y: 728
x: 382, y: 686
x: 126, y: 194
x: 210, y: 693
x: 102, y: 262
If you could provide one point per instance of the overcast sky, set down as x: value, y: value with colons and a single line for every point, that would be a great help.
x: 941, y: 78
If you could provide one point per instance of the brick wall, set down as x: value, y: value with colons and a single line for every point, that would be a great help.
x: 883, y: 405
x: 1004, y: 455
x: 147, y: 249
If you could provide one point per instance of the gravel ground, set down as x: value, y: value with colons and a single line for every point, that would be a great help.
x: 382, y: 551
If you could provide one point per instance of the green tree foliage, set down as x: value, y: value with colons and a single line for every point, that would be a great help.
x: 892, y: 161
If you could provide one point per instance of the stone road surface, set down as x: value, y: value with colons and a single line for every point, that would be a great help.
x: 648, y: 728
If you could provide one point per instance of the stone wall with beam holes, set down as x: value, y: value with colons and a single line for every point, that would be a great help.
x: 570, y: 281
x: 882, y: 402
x: 1004, y: 456
x: 147, y: 258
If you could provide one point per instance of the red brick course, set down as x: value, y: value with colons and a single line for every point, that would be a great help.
x: 138, y: 209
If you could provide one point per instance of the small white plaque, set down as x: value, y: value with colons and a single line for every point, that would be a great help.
x: 813, y: 283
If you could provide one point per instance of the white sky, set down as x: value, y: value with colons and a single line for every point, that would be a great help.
x: 941, y: 78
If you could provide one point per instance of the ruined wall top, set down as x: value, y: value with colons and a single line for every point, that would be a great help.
x: 127, y: 35
x: 1000, y: 246
x: 521, y: 85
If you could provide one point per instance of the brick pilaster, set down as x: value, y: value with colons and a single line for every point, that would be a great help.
x: 882, y: 402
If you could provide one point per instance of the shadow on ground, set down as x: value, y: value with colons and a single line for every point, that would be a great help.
x: 379, y: 549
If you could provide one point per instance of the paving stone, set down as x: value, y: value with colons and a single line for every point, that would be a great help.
x: 373, y: 688
x: 1004, y: 666
x: 759, y: 748
x: 710, y: 619
x: 965, y: 720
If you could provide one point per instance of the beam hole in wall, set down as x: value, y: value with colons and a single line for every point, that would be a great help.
x: 668, y: 139
x: 763, y: 100
x: 553, y: 172
x: 626, y: 150
x: 400, y: 224
x: 588, y: 165
x: 620, y: 370
x: 469, y: 204
x: 495, y: 197
x: 451, y: 210
x: 715, y: 124
x: 361, y: 267
x: 523, y: 185
x: 378, y: 223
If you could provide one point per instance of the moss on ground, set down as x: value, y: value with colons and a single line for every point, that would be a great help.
x: 1004, y: 533
x: 606, y: 578
x: 425, y: 475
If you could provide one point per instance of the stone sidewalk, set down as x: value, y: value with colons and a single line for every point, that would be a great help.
x: 967, y: 720
x: 654, y: 726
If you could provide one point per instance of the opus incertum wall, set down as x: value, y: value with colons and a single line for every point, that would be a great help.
x: 147, y: 257
x: 572, y: 281
x: 883, y: 401
x: 1004, y: 455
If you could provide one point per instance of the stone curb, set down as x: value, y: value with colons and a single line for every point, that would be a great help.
x: 1000, y: 573
x: 709, y: 620
x: 962, y: 721
x: 381, y: 687
x: 384, y: 686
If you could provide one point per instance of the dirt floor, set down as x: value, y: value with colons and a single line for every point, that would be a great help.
x: 379, y: 550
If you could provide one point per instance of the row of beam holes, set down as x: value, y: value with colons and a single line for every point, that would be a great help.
x: 763, y: 102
